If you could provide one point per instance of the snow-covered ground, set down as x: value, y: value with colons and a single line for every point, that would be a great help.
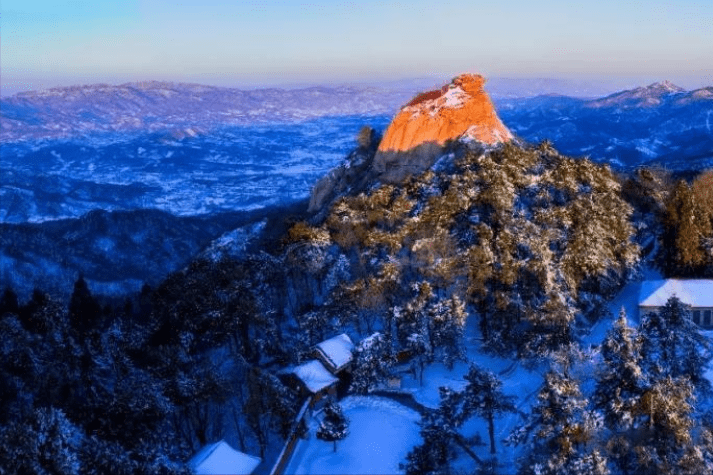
x: 518, y: 381
x: 627, y: 298
x: 232, y: 168
x: 381, y: 433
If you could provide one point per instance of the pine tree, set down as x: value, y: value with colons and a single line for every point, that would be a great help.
x: 620, y: 381
x: 665, y: 442
x: 672, y: 345
x: 561, y: 428
x: 413, y: 328
x: 433, y: 455
x: 8, y: 302
x: 372, y: 363
x: 270, y: 405
x: 439, y: 431
x: 484, y: 398
x: 447, y: 318
x: 44, y: 442
x: 335, y: 425
x: 686, y: 225
x: 84, y: 310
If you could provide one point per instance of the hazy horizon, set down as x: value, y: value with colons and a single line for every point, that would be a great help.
x: 50, y: 43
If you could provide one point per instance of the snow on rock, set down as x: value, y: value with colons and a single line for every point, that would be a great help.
x: 221, y: 459
x: 337, y: 350
x: 461, y: 109
x: 314, y: 375
x: 381, y: 433
x: 446, y: 114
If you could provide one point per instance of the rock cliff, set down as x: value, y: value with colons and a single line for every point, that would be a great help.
x: 418, y: 133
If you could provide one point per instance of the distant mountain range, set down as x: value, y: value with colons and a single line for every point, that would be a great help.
x: 170, y: 165
x: 179, y: 109
x: 660, y: 124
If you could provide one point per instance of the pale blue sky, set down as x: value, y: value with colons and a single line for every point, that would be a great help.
x: 252, y: 43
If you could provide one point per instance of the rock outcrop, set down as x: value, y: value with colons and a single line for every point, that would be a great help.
x: 352, y: 176
x: 421, y: 129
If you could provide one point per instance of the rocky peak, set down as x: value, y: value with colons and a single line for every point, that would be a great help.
x: 418, y: 133
x: 646, y: 96
x: 665, y: 87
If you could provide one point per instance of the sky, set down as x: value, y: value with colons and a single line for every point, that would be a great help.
x: 243, y: 43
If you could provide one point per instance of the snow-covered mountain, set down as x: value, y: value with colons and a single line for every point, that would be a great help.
x: 178, y: 109
x: 659, y: 123
x: 194, y: 150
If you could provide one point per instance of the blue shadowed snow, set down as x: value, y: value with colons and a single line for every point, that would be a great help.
x: 381, y: 433
x: 627, y: 298
x: 233, y: 168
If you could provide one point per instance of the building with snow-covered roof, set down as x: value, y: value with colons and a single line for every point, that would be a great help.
x: 315, y: 376
x: 312, y: 380
x: 221, y: 459
x: 697, y: 293
x: 337, y: 353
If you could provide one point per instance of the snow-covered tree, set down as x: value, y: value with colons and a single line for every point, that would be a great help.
x: 8, y: 302
x: 372, y: 363
x: 270, y: 406
x: 672, y: 345
x: 44, y: 442
x: 447, y: 321
x: 84, y: 311
x: 665, y: 439
x: 413, y: 328
x: 439, y: 431
x: 314, y: 326
x: 442, y: 440
x: 434, y: 454
x: 335, y: 425
x: 560, y: 427
x: 484, y: 398
x: 620, y: 380
x: 686, y: 225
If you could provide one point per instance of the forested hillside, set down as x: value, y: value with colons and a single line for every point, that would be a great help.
x: 528, y: 239
x: 522, y: 244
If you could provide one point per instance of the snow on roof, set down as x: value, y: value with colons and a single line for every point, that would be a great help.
x: 693, y: 292
x: 338, y: 350
x: 221, y: 459
x: 314, y: 375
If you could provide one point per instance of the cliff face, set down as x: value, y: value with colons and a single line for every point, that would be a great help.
x: 416, y: 136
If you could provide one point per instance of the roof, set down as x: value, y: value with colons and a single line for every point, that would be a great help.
x: 314, y: 375
x: 337, y: 350
x: 221, y: 459
x: 693, y: 292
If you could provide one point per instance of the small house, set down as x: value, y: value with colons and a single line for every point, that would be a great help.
x: 315, y: 380
x: 221, y: 459
x: 697, y: 293
x: 336, y: 354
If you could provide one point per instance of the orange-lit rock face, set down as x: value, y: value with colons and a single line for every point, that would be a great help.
x: 459, y: 109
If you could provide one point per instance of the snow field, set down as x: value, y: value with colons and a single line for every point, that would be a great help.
x: 381, y: 433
